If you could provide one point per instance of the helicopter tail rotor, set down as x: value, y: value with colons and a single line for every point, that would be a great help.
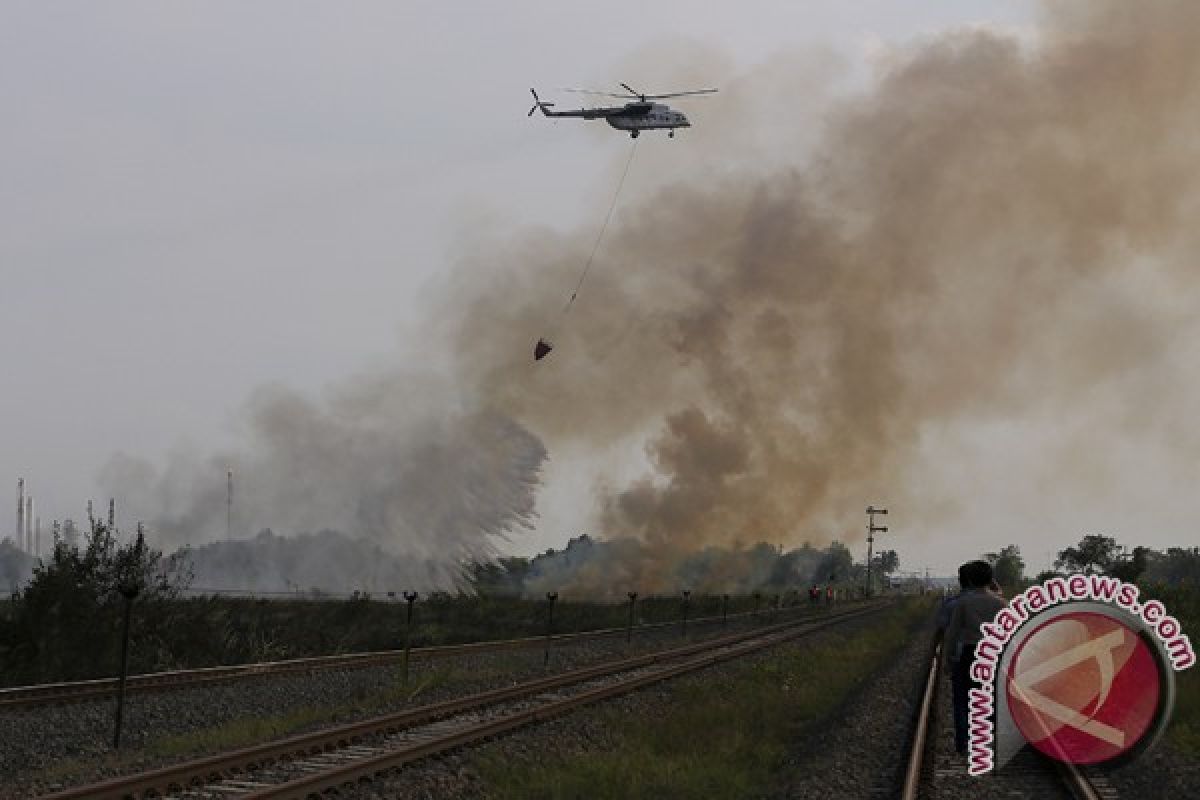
x: 537, y: 103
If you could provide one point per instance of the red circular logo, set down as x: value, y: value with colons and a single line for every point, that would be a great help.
x: 1084, y: 687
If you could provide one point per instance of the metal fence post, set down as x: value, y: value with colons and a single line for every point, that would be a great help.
x: 687, y: 594
x: 409, y: 598
x: 551, y: 596
x: 629, y: 627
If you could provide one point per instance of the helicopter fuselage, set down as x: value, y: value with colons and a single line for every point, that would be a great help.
x: 632, y: 117
x: 647, y: 116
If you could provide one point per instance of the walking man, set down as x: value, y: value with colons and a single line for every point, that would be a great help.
x: 975, y: 606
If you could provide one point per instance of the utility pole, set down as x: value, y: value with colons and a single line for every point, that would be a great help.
x: 872, y: 529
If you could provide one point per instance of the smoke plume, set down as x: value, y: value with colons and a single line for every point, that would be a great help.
x: 788, y: 308
x: 961, y: 245
x: 396, y: 460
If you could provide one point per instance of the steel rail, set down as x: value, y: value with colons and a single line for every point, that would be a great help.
x: 78, y: 691
x: 1073, y: 780
x: 1077, y: 783
x: 212, y: 768
x: 317, y: 782
x: 916, y: 757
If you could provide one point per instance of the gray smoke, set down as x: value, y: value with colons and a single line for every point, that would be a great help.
x: 396, y: 460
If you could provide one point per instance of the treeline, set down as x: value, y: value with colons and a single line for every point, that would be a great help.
x: 610, y: 567
x: 1171, y: 575
x: 66, y: 622
x: 1175, y: 567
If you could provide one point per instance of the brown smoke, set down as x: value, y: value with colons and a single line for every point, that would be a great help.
x: 961, y: 244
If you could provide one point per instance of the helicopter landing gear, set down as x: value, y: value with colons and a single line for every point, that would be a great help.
x: 634, y: 134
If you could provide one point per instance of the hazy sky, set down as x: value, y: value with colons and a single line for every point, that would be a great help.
x: 202, y: 198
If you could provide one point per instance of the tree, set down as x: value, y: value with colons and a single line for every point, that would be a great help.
x: 888, y: 561
x: 66, y: 621
x: 1130, y: 567
x: 836, y: 564
x: 1095, y: 553
x: 1178, y: 566
x: 1007, y: 565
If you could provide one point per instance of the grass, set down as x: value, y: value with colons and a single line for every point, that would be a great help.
x: 1185, y: 723
x: 1183, y: 602
x: 1184, y: 731
x: 727, y: 741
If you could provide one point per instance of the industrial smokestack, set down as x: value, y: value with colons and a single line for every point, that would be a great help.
x: 29, y: 524
x: 37, y: 538
x: 91, y: 516
x: 112, y: 514
x: 229, y: 505
x: 20, y: 537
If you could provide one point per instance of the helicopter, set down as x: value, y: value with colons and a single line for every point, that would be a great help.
x: 640, y: 114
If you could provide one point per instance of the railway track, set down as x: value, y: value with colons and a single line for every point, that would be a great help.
x: 81, y: 691
x: 309, y: 764
x: 933, y: 771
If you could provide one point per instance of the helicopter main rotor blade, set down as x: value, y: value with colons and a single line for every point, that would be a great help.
x: 680, y: 94
x: 591, y: 91
x: 633, y: 91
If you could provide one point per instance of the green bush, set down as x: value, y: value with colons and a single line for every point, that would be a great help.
x: 67, y: 622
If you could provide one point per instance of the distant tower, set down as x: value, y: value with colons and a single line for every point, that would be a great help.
x: 91, y: 516
x: 29, y: 524
x: 229, y: 505
x: 37, y: 538
x: 20, y: 513
x: 112, y: 515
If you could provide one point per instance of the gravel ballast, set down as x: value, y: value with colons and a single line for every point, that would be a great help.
x: 456, y: 776
x: 862, y: 750
x: 48, y: 748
